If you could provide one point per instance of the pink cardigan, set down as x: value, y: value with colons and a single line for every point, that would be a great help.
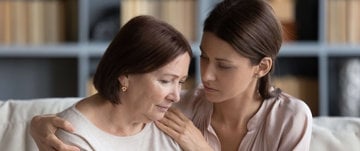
x: 281, y: 124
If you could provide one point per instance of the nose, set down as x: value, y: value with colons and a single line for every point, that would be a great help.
x: 207, y: 72
x: 174, y: 95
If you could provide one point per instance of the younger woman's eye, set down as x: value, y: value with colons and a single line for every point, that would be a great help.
x: 164, y: 81
x: 182, y: 82
x: 202, y: 55
x: 222, y: 66
x: 204, y: 58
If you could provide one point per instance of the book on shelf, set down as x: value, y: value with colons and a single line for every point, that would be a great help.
x: 170, y: 12
x: 5, y: 23
x: 190, y: 19
x: 337, y: 21
x: 353, y: 22
x: 35, y: 21
x: 71, y: 20
x: 343, y: 18
x: 54, y: 20
x: 179, y: 13
x: 19, y: 22
x: 285, y: 12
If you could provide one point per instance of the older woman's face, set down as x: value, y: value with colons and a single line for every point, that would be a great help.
x: 150, y: 95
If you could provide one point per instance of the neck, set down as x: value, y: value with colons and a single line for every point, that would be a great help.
x: 237, y: 111
x: 114, y: 119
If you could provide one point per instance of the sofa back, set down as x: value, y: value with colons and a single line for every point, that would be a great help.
x: 329, y: 133
x: 15, y: 117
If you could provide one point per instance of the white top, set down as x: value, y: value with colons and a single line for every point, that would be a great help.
x: 282, y: 124
x: 90, y: 138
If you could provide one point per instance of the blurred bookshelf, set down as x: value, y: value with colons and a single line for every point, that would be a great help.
x: 321, y: 43
x: 50, y: 48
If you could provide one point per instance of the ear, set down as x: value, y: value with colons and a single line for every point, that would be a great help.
x: 123, y: 80
x: 264, y: 66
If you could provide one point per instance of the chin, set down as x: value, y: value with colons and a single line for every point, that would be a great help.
x: 157, y: 117
x: 213, y: 99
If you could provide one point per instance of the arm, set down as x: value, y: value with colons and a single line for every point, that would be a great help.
x: 183, y: 131
x: 42, y: 129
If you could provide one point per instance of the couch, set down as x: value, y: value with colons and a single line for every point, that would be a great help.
x: 329, y: 133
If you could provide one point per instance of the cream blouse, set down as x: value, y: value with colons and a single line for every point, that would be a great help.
x: 281, y: 124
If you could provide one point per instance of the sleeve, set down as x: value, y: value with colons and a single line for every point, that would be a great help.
x: 297, y: 132
x: 74, y: 139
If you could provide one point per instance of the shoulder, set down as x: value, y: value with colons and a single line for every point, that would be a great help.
x: 287, y: 115
x: 290, y: 107
x: 159, y: 139
x: 290, y: 120
x: 80, y: 123
x: 72, y: 115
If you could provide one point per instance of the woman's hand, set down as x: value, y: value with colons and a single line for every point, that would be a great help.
x: 42, y: 129
x: 183, y: 131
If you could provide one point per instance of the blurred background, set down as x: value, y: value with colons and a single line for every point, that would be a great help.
x: 50, y: 48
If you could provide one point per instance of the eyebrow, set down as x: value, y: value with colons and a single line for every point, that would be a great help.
x: 173, y: 75
x: 217, y: 59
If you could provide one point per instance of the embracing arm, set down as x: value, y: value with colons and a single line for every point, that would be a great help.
x: 183, y: 131
x: 43, y: 128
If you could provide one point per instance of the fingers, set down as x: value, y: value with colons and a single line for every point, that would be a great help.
x: 60, y: 146
x: 178, y: 113
x: 169, y: 131
x: 63, y: 124
x: 175, y: 120
x: 176, y: 116
x: 176, y: 126
x: 42, y: 129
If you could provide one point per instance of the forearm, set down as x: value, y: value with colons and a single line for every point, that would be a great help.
x: 42, y: 129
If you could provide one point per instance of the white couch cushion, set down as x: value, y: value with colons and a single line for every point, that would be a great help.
x: 335, y: 134
x: 15, y: 117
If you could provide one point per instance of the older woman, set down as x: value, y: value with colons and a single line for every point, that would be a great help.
x: 138, y: 79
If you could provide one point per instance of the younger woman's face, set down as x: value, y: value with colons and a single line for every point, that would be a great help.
x: 225, y: 74
x: 150, y: 95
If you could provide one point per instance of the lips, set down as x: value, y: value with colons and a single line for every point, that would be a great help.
x: 163, y: 108
x: 209, y: 89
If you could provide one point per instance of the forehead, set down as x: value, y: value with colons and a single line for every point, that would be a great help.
x: 178, y: 67
x: 217, y: 48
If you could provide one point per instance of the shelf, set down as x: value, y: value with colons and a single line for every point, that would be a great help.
x: 343, y: 50
x: 299, y: 49
x: 62, y: 50
x: 97, y: 49
x: 309, y: 49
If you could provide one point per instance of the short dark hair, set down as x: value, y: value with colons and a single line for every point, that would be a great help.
x: 142, y: 45
x: 251, y: 27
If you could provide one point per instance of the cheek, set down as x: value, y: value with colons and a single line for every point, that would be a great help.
x: 157, y: 93
x: 233, y: 81
x: 147, y: 93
